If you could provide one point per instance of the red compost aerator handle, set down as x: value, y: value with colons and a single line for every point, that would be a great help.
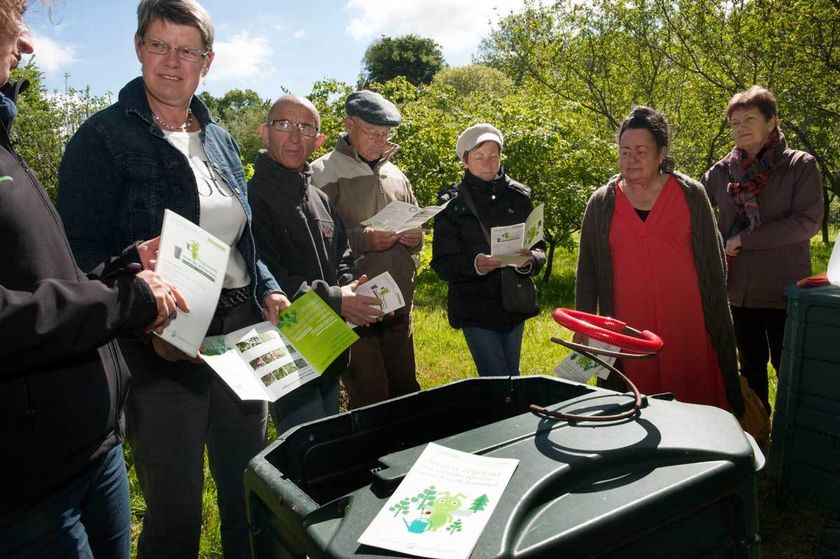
x: 608, y: 330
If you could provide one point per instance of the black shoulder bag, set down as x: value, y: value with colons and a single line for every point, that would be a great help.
x: 519, y: 293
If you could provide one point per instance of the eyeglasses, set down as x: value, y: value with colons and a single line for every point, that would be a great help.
x: 187, y: 54
x: 382, y: 136
x: 287, y: 126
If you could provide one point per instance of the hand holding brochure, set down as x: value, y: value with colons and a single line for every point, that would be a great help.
x: 401, y: 216
x: 442, y: 505
x: 196, y: 262
x: 506, y: 241
x: 384, y: 288
x: 264, y: 362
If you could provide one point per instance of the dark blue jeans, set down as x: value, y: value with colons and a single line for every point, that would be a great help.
x: 314, y: 400
x: 495, y: 352
x: 88, y: 518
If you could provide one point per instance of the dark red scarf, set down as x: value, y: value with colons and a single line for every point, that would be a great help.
x: 748, y: 175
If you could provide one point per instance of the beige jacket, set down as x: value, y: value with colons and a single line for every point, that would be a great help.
x: 358, y: 193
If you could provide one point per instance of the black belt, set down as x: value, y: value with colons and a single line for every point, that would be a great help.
x: 232, y: 298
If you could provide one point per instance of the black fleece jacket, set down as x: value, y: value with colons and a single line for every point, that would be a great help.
x: 476, y: 300
x: 298, y: 233
x: 62, y: 378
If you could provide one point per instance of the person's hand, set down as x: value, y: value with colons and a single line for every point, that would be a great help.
x: 524, y: 268
x: 733, y: 245
x: 359, y: 309
x: 379, y: 240
x: 167, y: 298
x: 167, y: 351
x: 485, y: 263
x: 411, y: 238
x: 273, y: 304
x: 148, y: 253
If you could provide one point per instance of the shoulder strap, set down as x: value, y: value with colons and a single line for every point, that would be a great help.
x: 468, y: 200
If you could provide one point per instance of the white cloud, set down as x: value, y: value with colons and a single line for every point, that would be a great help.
x: 299, y: 34
x: 456, y: 25
x: 243, y: 56
x: 52, y: 56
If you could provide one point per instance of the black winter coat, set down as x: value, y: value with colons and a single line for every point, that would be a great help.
x: 298, y: 233
x: 62, y: 378
x: 475, y: 300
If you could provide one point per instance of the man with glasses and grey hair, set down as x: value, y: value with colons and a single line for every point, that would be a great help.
x: 360, y: 180
x: 302, y: 240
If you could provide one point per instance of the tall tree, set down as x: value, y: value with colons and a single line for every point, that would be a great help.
x: 240, y: 112
x: 46, y: 122
x: 686, y: 58
x: 415, y: 58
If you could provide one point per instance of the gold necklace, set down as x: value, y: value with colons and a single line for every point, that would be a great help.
x: 172, y: 127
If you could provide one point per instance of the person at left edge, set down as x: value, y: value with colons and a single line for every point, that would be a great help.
x: 63, y: 381
x: 157, y: 148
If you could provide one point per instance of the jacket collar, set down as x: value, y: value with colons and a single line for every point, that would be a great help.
x: 8, y: 98
x: 481, y: 189
x: 344, y: 147
x: 288, y: 183
x: 133, y: 99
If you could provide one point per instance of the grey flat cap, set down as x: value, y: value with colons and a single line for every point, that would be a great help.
x: 475, y: 135
x: 372, y: 108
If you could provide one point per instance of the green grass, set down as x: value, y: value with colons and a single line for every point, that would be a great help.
x: 787, y: 531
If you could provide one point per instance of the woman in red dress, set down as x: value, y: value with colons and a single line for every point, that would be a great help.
x: 650, y: 255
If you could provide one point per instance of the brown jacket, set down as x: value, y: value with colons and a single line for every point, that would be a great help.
x: 777, y: 253
x: 358, y: 193
x: 594, y: 282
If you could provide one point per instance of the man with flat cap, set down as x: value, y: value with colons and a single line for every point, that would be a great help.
x: 360, y: 180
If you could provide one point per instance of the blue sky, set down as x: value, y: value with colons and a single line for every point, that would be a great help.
x: 260, y: 44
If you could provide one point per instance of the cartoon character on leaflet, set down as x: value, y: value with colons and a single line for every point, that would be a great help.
x: 436, y: 510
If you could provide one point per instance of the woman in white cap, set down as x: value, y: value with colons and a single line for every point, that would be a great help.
x: 486, y: 197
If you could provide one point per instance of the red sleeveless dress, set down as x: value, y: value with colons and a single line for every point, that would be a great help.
x: 655, y: 288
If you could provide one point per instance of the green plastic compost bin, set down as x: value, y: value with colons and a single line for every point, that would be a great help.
x: 805, y: 444
x: 676, y: 481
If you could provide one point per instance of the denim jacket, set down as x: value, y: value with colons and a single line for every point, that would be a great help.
x: 120, y: 173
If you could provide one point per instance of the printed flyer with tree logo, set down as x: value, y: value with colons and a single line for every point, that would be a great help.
x: 441, y: 507
x: 264, y: 362
x: 401, y: 216
x: 507, y: 240
x: 195, y: 261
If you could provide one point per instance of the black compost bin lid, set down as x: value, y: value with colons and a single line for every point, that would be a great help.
x: 579, y: 490
x: 829, y: 294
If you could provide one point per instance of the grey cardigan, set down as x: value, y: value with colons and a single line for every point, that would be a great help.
x: 594, y: 283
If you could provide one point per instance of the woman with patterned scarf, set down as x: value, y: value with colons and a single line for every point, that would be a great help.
x: 769, y: 200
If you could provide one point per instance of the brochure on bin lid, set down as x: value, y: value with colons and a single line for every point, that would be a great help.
x: 506, y: 240
x: 264, y: 361
x: 442, y: 505
x: 196, y: 262
x: 401, y: 216
x: 580, y: 368
x: 384, y: 288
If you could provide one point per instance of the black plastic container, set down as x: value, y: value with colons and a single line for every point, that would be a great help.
x: 805, y: 447
x: 677, y: 481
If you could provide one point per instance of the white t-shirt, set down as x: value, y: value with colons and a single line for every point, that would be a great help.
x: 220, y: 211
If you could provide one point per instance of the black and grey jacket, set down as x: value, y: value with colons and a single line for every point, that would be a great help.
x: 63, y: 380
x: 298, y: 233
x: 473, y: 299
